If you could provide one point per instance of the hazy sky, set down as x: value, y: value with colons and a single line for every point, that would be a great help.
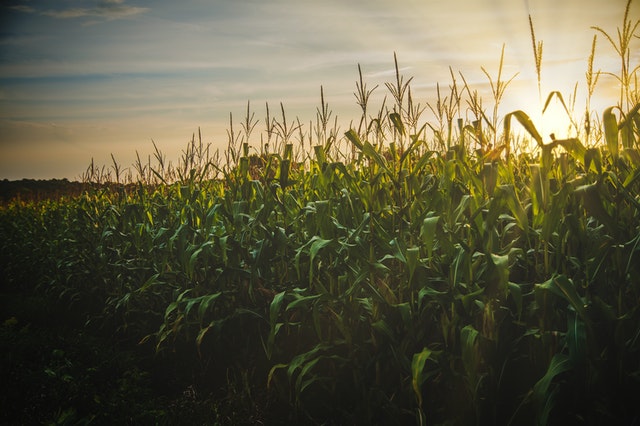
x: 85, y: 78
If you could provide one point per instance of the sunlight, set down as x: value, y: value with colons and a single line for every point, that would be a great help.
x: 553, y: 121
x: 556, y: 121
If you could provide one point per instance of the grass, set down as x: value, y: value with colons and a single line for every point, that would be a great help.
x: 405, y: 272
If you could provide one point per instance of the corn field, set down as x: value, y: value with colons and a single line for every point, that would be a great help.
x: 393, y: 273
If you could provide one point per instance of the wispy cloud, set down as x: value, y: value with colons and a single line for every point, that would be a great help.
x: 105, y: 9
x: 23, y: 8
x: 161, y: 71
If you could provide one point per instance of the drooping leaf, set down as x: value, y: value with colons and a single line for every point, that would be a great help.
x: 526, y: 123
x: 274, y: 313
x: 542, y: 395
x: 371, y: 152
x: 303, y: 302
x: 354, y: 138
x: 428, y: 233
x: 563, y: 287
x: 574, y: 147
x: 419, y: 373
x: 470, y: 353
x: 501, y: 274
x: 206, y: 302
x: 560, y: 98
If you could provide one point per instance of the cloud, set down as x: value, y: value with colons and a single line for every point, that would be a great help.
x: 23, y: 8
x: 66, y: 14
x: 105, y: 9
x: 114, y: 9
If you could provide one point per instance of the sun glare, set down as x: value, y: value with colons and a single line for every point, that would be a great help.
x: 555, y: 121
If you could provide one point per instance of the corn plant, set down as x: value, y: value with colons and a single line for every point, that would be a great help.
x: 381, y: 276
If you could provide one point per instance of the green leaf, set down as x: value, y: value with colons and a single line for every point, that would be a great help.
x: 428, y: 293
x: 576, y: 338
x: 563, y: 287
x: 150, y: 282
x: 574, y: 147
x: 415, y: 143
x: 382, y: 327
x: 470, y: 353
x: 428, y: 233
x: 633, y: 155
x: 272, y: 372
x: 201, y: 335
x: 501, y: 265
x: 592, y: 200
x: 489, y: 177
x: 419, y: 373
x: 525, y: 121
x: 321, y: 158
x: 508, y: 194
x: 592, y: 157
x: 371, y: 152
x: 626, y: 125
x: 313, y: 246
x: 304, y: 301
x: 316, y: 246
x: 516, y: 293
x: 302, y: 359
x: 285, y: 166
x: 397, y: 251
x: 354, y: 138
x: 470, y: 298
x: 274, y: 308
x: 413, y: 258
x: 560, y: 98
x: 205, y: 304
x: 397, y: 122
x: 542, y: 395
x: 423, y: 161
x: 610, y: 124
x: 301, y: 384
x: 274, y: 313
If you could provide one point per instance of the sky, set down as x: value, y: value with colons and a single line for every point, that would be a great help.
x: 84, y: 79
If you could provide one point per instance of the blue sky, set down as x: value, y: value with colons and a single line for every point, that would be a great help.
x: 82, y: 79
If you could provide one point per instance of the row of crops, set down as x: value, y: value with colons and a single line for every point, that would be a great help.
x: 410, y: 286
x: 377, y: 276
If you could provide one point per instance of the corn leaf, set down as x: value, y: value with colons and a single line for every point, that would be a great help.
x: 419, y: 373
x: 563, y: 287
x: 593, y: 160
x: 542, y: 396
x: 576, y: 338
x: 470, y: 353
x: 354, y: 139
x: 397, y: 123
x: 428, y: 233
x: 592, y: 200
x: 610, y: 124
x: 526, y: 123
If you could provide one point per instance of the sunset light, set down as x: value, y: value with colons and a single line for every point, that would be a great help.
x: 84, y: 79
x: 338, y: 212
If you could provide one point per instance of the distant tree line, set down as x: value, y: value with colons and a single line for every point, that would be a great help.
x: 38, y: 189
